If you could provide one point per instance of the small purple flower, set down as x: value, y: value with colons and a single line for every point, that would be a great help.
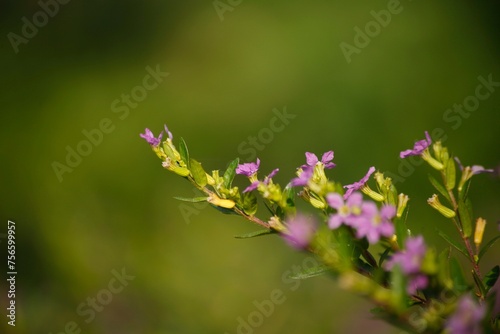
x: 168, y: 132
x: 150, y: 138
x: 418, y: 148
x: 475, y: 169
x: 373, y: 224
x: 467, y: 317
x: 410, y: 261
x: 347, y: 210
x: 300, y: 231
x: 303, y: 178
x: 358, y: 185
x: 255, y: 184
x: 326, y: 159
x: 248, y: 169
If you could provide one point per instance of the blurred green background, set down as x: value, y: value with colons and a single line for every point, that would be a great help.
x: 229, y: 68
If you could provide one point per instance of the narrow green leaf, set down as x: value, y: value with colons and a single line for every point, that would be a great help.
x: 457, y: 275
x: 249, y: 203
x: 192, y: 200
x: 444, y: 269
x: 439, y: 187
x: 453, y: 243
x: 183, y: 150
x: 479, y: 284
x: 486, y: 247
x: 310, y: 272
x: 465, y: 212
x: 199, y: 174
x: 401, y: 229
x: 230, y: 173
x: 254, y: 234
x: 384, y: 256
x: 450, y: 174
x: 491, y: 278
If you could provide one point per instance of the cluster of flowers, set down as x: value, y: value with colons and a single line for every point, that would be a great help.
x: 354, y: 223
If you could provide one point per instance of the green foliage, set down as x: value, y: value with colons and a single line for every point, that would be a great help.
x: 230, y: 173
x: 199, y: 174
x: 255, y: 234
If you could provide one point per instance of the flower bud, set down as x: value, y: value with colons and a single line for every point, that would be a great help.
x: 402, y: 202
x: 478, y: 233
x: 434, y: 202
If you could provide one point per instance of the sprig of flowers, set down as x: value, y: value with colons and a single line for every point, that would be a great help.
x: 364, y: 241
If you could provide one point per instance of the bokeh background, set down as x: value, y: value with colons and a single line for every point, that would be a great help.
x: 229, y: 68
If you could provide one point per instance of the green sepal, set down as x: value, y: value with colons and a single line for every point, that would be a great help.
x: 182, y: 171
x: 230, y: 173
x: 465, y: 212
x: 453, y: 243
x: 183, y: 151
x: 491, y: 277
x: 249, y: 203
x: 192, y: 200
x: 457, y: 275
x: 450, y: 174
x: 254, y: 234
x: 199, y: 174
x: 310, y: 272
x: 439, y: 187
x: 486, y: 247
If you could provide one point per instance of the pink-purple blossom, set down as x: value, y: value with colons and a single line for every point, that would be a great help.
x: 374, y: 224
x: 358, y: 185
x: 347, y: 210
x: 467, y: 317
x: 248, y: 169
x: 475, y: 169
x: 303, y: 178
x: 255, y: 184
x: 410, y: 261
x: 300, y: 231
x: 150, y: 138
x: 418, y: 148
x: 326, y: 159
x: 168, y: 132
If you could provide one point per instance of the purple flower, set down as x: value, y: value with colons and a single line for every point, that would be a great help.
x: 255, y: 184
x: 373, y: 224
x: 410, y: 261
x: 346, y: 210
x: 248, y: 169
x: 303, y: 178
x: 475, y: 169
x: 150, y: 138
x: 300, y: 231
x: 358, y: 185
x: 326, y: 159
x: 418, y: 148
x: 168, y: 132
x: 467, y: 317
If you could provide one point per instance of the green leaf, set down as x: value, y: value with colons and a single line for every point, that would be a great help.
x: 255, y: 234
x: 192, y: 200
x: 183, y: 150
x: 230, y: 173
x: 310, y: 272
x: 465, y: 212
x: 249, y: 203
x: 439, y: 187
x: 486, y: 247
x: 457, y: 275
x: 199, y: 174
x: 491, y: 278
x: 401, y: 229
x: 453, y: 243
x: 444, y: 269
x: 450, y: 174
x: 479, y: 284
